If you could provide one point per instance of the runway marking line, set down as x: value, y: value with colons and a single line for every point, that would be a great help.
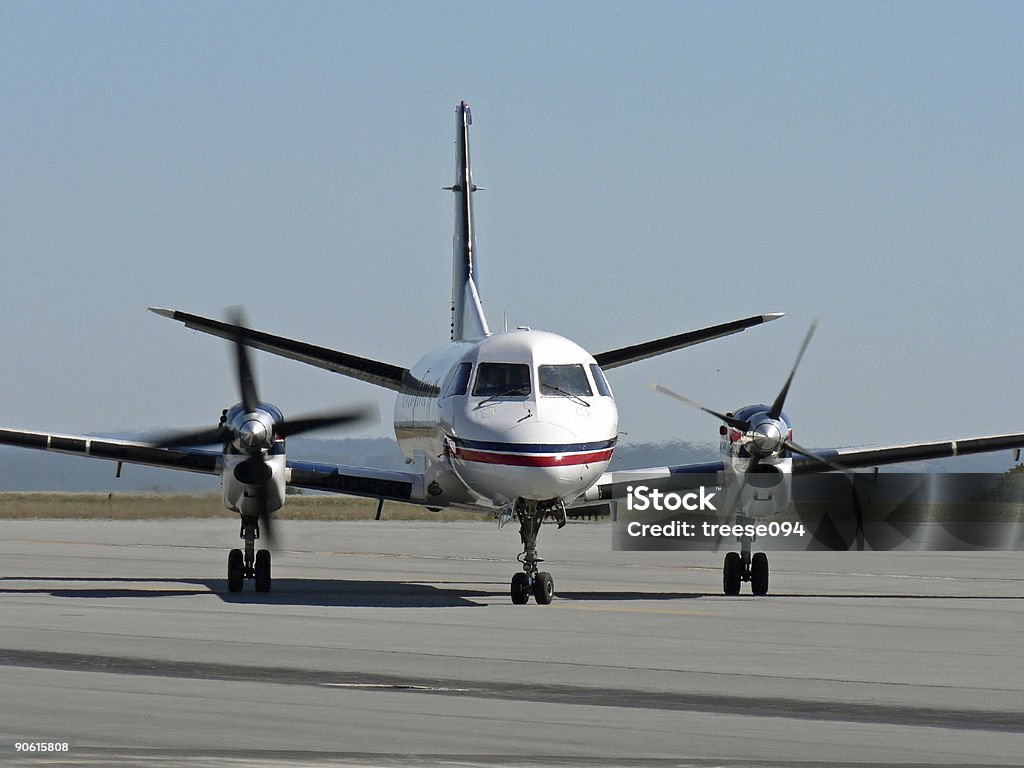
x: 625, y: 609
x: 396, y: 687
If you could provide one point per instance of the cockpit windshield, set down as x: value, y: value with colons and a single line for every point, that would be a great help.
x: 502, y: 380
x: 564, y: 381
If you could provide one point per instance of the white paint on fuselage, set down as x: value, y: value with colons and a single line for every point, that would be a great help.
x: 428, y: 424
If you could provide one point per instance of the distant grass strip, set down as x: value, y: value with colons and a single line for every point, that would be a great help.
x: 155, y: 506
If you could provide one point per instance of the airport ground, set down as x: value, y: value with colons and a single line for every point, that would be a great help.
x: 395, y: 643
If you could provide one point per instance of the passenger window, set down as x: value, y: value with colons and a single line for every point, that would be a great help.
x: 600, y: 381
x: 459, y: 383
x: 502, y: 380
x: 564, y: 381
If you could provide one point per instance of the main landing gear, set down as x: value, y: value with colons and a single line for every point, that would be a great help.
x: 741, y: 566
x: 533, y: 581
x: 250, y: 565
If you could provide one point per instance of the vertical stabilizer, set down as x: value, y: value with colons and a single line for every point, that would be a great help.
x: 468, y: 321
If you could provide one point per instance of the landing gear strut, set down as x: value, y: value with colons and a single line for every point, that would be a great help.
x: 531, y: 580
x: 250, y: 564
x: 741, y: 566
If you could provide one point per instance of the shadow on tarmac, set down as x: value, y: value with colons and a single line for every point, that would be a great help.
x: 383, y: 594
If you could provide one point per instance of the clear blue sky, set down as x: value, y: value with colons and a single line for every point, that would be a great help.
x: 651, y: 168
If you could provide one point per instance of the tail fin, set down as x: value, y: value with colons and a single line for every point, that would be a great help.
x: 468, y: 321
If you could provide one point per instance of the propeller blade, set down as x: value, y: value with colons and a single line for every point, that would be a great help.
x: 301, y: 424
x: 243, y: 364
x: 732, y: 421
x: 267, y: 527
x: 776, y: 410
x: 192, y: 438
x: 265, y: 518
x: 810, y: 455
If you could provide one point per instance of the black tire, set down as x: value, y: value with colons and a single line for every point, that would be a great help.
x: 732, y: 573
x: 236, y: 577
x: 520, y: 589
x: 543, y: 588
x: 759, y: 573
x: 262, y: 571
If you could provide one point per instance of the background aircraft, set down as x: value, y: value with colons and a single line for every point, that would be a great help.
x: 517, y: 423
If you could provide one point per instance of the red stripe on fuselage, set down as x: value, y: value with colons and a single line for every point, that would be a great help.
x: 532, y: 460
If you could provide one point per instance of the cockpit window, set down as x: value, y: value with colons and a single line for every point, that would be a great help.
x: 564, y: 381
x: 502, y: 380
x: 602, y: 383
x: 458, y: 383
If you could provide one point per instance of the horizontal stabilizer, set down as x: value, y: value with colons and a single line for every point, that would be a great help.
x: 382, y: 374
x: 626, y: 355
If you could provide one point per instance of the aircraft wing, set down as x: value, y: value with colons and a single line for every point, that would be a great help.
x: 625, y: 355
x: 613, y: 485
x: 871, y: 457
x: 358, y: 481
x: 208, y: 462
x: 354, y: 481
x: 373, y: 371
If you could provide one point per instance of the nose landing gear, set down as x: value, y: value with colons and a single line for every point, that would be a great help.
x: 741, y: 566
x: 250, y: 564
x: 532, y: 580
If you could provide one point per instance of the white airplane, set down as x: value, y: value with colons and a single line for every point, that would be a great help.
x: 518, y: 424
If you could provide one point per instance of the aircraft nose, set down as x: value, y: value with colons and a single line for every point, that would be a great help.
x: 535, y: 461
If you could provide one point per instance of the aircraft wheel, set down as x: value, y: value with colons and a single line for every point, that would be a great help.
x: 235, y: 571
x: 263, y: 571
x: 732, y: 573
x: 543, y: 588
x: 759, y: 573
x: 520, y: 589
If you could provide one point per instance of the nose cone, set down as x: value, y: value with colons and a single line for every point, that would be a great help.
x: 767, y: 437
x: 253, y: 435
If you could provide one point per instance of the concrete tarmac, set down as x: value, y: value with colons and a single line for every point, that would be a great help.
x: 396, y: 644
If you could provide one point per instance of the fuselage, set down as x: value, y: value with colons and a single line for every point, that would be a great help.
x: 518, y: 414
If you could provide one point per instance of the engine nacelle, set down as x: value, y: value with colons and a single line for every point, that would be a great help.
x: 766, y: 491
x: 251, y: 486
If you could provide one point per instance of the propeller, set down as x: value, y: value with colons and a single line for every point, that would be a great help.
x: 254, y: 435
x: 776, y: 410
x: 732, y: 421
x: 767, y: 436
x: 253, y: 426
